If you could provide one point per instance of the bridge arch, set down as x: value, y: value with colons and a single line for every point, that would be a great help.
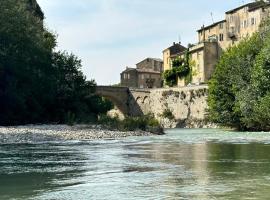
x: 119, y: 96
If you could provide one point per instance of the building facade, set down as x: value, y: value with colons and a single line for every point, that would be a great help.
x: 152, y: 64
x: 147, y: 74
x: 170, y: 53
x: 239, y: 23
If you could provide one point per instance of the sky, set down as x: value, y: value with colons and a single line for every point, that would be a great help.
x: 109, y: 35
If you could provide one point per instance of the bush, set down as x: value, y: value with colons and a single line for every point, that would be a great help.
x: 129, y: 123
x: 167, y: 113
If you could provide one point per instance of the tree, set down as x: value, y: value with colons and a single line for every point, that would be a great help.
x: 239, y: 89
x: 37, y: 84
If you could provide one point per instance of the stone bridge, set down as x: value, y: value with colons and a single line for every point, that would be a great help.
x: 128, y: 101
x: 118, y: 95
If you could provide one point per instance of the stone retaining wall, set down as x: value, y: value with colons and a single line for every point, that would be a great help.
x: 187, y: 105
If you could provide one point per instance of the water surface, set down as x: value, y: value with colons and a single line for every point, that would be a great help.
x: 184, y: 164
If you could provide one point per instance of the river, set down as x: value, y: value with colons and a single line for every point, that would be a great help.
x: 199, y: 164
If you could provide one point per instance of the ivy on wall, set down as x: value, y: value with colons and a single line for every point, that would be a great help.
x: 180, y: 69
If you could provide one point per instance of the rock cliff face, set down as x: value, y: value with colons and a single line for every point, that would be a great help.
x: 174, y: 107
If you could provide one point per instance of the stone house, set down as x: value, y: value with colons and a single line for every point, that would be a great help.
x: 239, y: 23
x: 147, y: 74
x: 154, y: 64
x: 170, y: 53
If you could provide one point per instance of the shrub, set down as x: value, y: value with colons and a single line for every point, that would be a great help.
x: 167, y: 113
x: 129, y: 123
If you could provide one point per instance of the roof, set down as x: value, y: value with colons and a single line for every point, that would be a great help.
x: 212, y: 25
x: 128, y: 69
x: 140, y: 71
x: 176, y: 48
x: 148, y: 71
x: 251, y: 6
x: 156, y: 59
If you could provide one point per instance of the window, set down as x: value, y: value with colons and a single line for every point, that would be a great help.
x: 221, y: 37
x: 221, y: 26
x: 245, y: 24
x: 253, y: 21
x: 231, y: 19
x: 142, y: 77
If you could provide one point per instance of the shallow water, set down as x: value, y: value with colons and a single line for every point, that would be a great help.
x: 188, y: 164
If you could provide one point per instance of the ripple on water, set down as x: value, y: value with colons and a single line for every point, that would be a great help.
x: 184, y: 164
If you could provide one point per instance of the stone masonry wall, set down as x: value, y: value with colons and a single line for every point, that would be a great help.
x: 188, y: 105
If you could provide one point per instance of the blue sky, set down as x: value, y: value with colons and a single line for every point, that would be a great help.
x: 109, y: 35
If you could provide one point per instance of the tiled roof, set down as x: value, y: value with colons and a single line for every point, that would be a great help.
x: 212, y: 25
x: 251, y: 6
x: 176, y: 48
x: 148, y: 71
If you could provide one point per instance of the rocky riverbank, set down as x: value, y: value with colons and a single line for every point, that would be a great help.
x: 51, y: 133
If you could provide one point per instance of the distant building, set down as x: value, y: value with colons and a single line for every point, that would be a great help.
x: 154, y: 64
x: 147, y: 74
x: 239, y: 23
x: 170, y: 53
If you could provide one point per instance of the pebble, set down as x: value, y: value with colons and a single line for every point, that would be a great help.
x: 58, y: 133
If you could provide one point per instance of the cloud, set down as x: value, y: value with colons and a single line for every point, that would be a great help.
x: 109, y: 35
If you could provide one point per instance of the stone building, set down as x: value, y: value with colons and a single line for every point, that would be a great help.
x: 154, y: 64
x: 147, y: 74
x: 239, y: 23
x: 170, y: 53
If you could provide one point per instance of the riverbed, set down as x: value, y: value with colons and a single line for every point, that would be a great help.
x: 62, y: 133
x: 190, y: 164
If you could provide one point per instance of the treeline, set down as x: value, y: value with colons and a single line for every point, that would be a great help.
x: 37, y: 83
x: 240, y: 87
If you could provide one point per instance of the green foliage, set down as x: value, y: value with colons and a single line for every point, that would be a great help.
x: 129, y: 123
x: 37, y: 84
x: 167, y: 113
x: 170, y: 77
x: 180, y: 69
x: 239, y: 89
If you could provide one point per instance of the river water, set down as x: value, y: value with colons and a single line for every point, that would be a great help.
x: 199, y: 164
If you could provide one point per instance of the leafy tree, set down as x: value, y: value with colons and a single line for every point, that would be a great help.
x: 239, y: 89
x: 37, y: 84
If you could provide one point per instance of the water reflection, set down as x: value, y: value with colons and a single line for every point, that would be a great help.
x: 185, y: 164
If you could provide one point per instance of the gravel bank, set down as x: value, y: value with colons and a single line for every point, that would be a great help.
x: 50, y: 133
